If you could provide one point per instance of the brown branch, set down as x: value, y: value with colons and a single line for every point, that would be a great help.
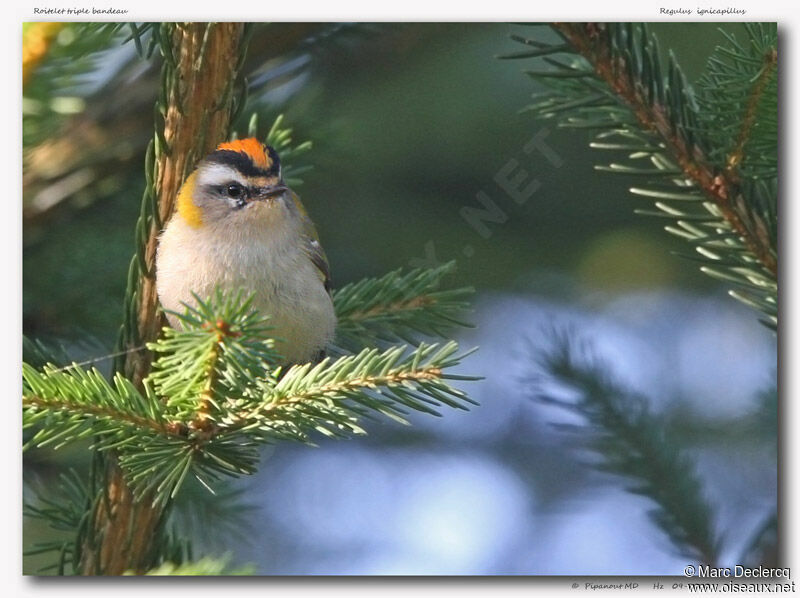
x: 431, y: 373
x: 203, y: 423
x: 724, y: 191
x: 123, y: 530
x: 397, y: 306
x: 169, y: 428
x: 736, y: 156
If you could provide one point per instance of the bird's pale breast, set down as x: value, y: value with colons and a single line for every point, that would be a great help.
x: 285, y: 283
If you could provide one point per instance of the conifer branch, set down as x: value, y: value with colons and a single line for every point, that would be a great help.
x: 399, y: 307
x: 87, y: 413
x: 63, y: 511
x: 736, y: 157
x: 711, y: 154
x: 332, y: 396
x: 737, y: 95
x: 628, y: 442
x: 70, y: 400
x: 720, y: 187
x: 215, y: 394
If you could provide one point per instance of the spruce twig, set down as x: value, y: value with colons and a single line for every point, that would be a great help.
x: 713, y: 149
x: 399, y: 306
x: 629, y: 441
x: 214, y: 395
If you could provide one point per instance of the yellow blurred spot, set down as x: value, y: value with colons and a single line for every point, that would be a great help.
x: 36, y: 40
x: 626, y: 259
x: 67, y: 105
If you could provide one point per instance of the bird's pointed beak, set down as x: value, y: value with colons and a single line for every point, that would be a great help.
x: 270, y: 191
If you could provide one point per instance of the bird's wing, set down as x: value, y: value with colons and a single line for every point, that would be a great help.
x: 312, y: 246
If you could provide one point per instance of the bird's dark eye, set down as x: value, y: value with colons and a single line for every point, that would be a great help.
x: 235, y: 191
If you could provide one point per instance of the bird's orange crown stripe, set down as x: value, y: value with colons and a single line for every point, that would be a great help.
x: 250, y: 146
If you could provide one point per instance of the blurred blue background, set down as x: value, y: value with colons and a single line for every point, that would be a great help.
x: 409, y: 123
x: 499, y: 491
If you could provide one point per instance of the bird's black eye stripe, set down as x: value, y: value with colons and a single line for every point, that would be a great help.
x: 232, y: 190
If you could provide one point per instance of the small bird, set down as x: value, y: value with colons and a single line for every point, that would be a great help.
x: 237, y: 225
